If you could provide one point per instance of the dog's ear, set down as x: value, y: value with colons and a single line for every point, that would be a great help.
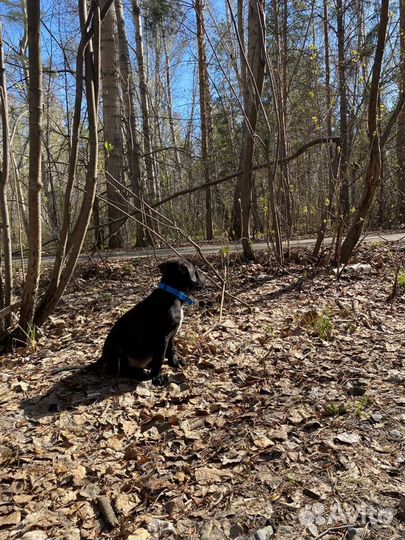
x: 191, y: 271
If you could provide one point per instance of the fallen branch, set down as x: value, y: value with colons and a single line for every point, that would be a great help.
x: 107, y: 510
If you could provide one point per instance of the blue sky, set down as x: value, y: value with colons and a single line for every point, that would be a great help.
x: 60, y: 19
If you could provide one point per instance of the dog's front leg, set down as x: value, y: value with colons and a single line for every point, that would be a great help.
x: 158, y: 357
x: 171, y: 356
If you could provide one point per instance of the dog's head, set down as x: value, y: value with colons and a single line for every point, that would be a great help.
x: 182, y: 274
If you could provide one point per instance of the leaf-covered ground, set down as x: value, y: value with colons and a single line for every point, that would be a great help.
x: 289, y: 410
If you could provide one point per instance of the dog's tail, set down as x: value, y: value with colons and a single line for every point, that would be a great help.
x: 94, y: 367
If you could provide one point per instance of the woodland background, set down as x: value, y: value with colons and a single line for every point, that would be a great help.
x: 142, y: 124
x: 127, y: 124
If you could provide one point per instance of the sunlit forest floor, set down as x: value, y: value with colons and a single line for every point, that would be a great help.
x: 290, y: 411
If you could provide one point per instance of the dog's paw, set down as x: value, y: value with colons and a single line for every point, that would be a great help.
x: 159, y: 380
x: 177, y: 363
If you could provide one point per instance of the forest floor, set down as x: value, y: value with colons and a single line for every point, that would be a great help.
x: 290, y: 411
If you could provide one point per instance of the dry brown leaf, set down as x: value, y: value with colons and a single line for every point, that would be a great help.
x: 140, y: 534
x: 262, y: 442
x: 206, y: 475
x: 348, y: 438
x: 10, y: 520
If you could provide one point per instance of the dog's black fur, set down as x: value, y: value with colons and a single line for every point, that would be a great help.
x: 143, y: 337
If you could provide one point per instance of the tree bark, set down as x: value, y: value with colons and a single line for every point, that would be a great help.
x: 113, y: 140
x: 143, y: 90
x: 401, y: 118
x: 205, y: 116
x: 236, y: 226
x: 92, y: 83
x: 373, y: 173
x: 169, y: 99
x: 332, y: 162
x: 273, y: 211
x: 280, y: 30
x: 6, y: 290
x: 255, y: 67
x: 129, y: 103
x: 343, y: 111
x: 35, y: 104
x: 60, y: 256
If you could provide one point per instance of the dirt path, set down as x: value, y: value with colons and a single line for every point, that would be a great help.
x: 213, y: 249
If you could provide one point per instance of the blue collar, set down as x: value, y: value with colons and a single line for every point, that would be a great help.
x: 175, y: 292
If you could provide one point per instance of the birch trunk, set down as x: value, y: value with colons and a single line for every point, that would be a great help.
x: 169, y: 100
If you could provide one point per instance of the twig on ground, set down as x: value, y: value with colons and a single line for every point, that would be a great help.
x: 221, y: 307
x: 332, y: 529
x: 107, y: 510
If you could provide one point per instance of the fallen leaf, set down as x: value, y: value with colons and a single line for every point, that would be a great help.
x: 12, y: 519
x: 206, y: 475
x: 347, y: 438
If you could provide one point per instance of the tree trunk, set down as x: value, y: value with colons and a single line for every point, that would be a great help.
x: 60, y: 256
x: 35, y: 104
x: 113, y: 140
x: 143, y: 90
x: 129, y: 103
x: 49, y: 198
x: 169, y: 100
x: 205, y: 116
x: 332, y: 162
x: 155, y: 108
x: 280, y: 28
x: 76, y: 239
x: 343, y: 111
x: 242, y: 56
x: 373, y: 173
x: 401, y: 118
x: 6, y: 291
x: 236, y: 227
x: 98, y: 229
x: 255, y: 67
x: 273, y: 211
x: 151, y: 186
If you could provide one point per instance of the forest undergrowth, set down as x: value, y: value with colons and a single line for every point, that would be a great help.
x: 290, y: 410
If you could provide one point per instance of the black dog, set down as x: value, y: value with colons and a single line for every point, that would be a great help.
x: 143, y: 337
